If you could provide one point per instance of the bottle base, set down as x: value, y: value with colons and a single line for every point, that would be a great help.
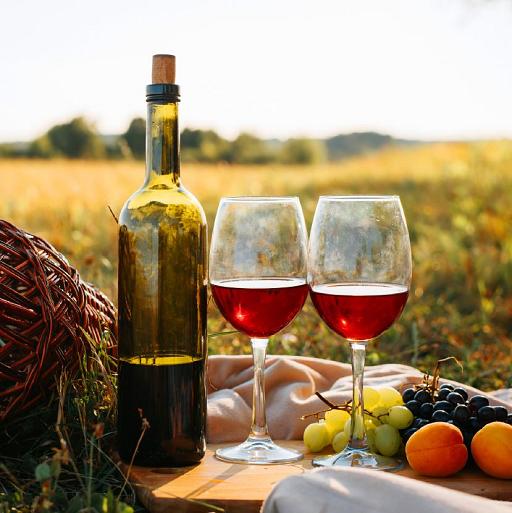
x: 160, y: 462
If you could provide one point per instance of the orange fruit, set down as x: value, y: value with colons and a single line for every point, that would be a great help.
x: 492, y: 449
x: 437, y: 450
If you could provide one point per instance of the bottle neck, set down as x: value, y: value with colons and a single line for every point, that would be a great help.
x: 162, y: 142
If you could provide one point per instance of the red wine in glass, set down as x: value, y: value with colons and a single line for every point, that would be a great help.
x: 260, y: 307
x: 359, y: 311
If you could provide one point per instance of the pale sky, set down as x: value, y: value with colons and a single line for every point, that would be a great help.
x: 431, y: 69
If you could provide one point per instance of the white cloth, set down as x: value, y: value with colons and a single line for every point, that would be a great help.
x: 351, y: 490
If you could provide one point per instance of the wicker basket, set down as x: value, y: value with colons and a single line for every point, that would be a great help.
x: 44, y: 305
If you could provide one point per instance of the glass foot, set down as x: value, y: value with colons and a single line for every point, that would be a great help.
x: 359, y: 458
x: 256, y: 451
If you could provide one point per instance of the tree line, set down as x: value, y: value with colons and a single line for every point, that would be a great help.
x: 79, y: 139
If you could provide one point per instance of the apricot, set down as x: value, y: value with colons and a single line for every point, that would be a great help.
x: 492, y: 449
x: 437, y: 450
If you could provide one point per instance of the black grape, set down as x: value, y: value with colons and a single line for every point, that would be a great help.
x: 443, y: 394
x: 462, y: 392
x: 408, y: 395
x: 461, y: 414
x: 441, y: 416
x: 477, y: 402
x: 414, y: 406
x: 426, y: 410
x: 501, y: 413
x: 455, y: 398
x: 407, y: 434
x: 422, y: 396
x: 486, y: 414
x: 419, y: 423
x: 444, y: 405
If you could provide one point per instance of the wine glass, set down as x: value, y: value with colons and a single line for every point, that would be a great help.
x: 258, y: 262
x: 359, y: 272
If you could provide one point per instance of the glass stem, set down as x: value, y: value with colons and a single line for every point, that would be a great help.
x: 357, y: 430
x: 259, y: 420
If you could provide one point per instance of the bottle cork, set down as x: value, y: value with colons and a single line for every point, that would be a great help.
x: 164, y: 69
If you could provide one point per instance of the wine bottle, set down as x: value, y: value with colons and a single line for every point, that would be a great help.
x: 162, y: 298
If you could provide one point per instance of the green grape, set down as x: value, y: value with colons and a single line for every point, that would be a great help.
x: 381, y: 413
x: 370, y: 419
x: 370, y: 424
x: 328, y: 437
x: 387, y: 440
x: 333, y: 430
x: 370, y: 437
x: 316, y: 436
x: 335, y: 419
x: 340, y: 441
x: 371, y: 397
x: 400, y: 417
x: 390, y: 397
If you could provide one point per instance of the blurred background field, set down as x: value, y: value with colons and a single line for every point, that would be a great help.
x: 456, y: 198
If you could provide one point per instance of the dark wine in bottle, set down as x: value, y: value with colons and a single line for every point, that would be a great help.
x: 162, y: 299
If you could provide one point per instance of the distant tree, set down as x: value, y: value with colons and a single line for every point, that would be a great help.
x: 303, y: 151
x: 41, y: 148
x: 346, y: 145
x: 76, y: 139
x: 118, y: 149
x: 13, y: 150
x: 135, y: 137
x: 203, y: 146
x: 249, y: 149
x: 192, y: 138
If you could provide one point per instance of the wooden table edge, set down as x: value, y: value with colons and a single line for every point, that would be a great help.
x: 470, y: 481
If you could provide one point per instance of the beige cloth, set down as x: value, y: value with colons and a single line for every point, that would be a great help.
x: 351, y: 490
x: 290, y: 384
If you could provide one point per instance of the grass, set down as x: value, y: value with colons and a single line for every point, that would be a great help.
x: 456, y: 199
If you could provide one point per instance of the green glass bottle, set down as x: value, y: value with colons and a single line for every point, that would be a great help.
x: 162, y: 298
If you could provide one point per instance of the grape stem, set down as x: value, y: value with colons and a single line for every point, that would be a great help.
x: 346, y: 406
x: 430, y: 382
x: 332, y: 406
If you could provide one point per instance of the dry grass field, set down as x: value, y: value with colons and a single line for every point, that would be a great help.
x: 456, y: 197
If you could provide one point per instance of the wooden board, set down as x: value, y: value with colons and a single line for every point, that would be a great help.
x: 242, y: 488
